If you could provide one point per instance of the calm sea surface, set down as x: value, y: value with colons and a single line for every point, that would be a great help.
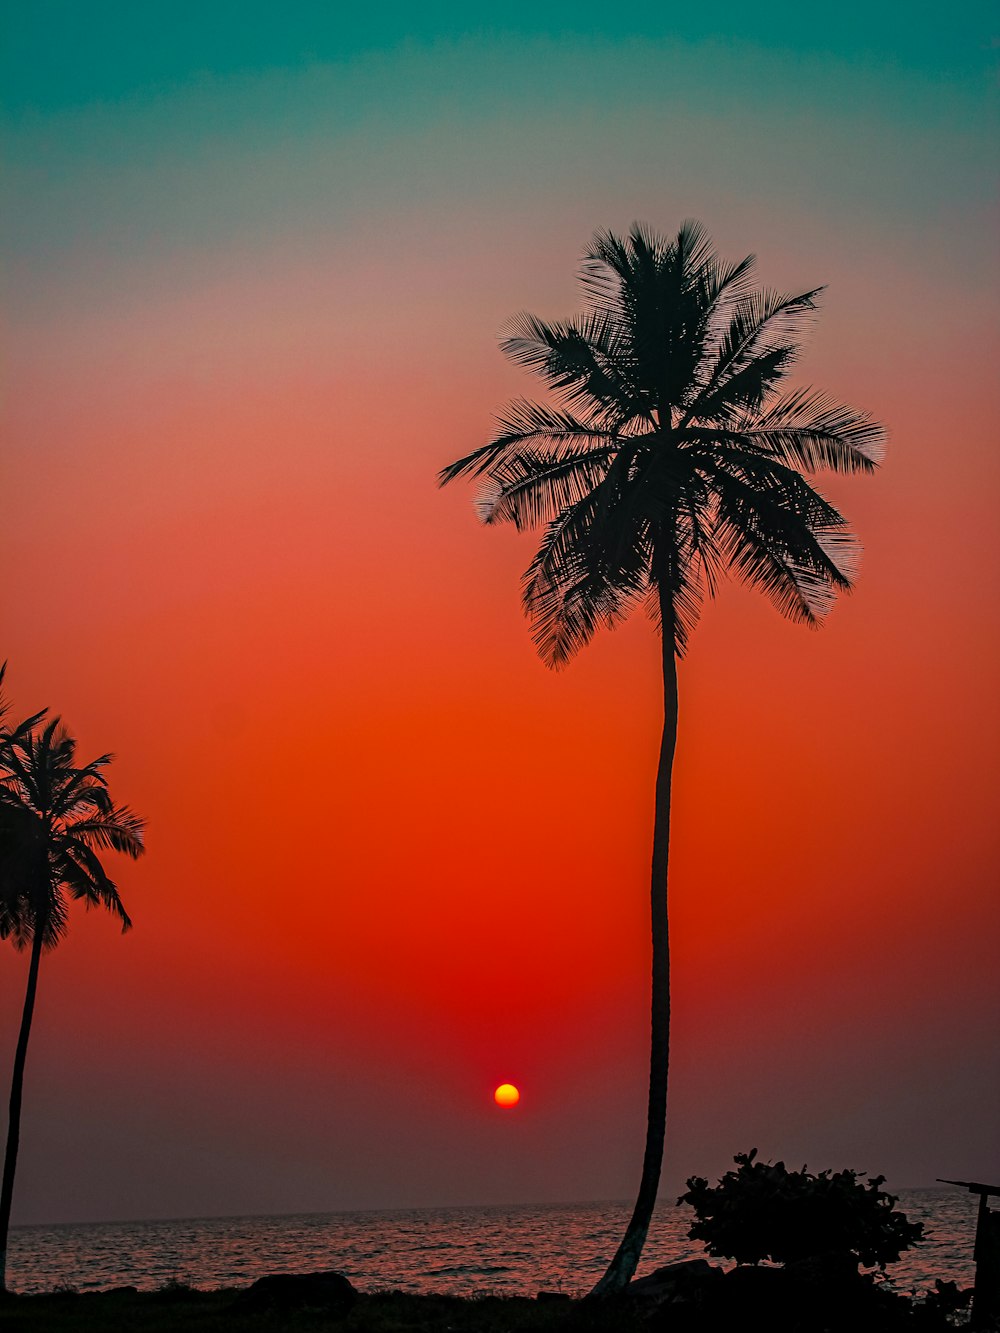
x: 508, y: 1250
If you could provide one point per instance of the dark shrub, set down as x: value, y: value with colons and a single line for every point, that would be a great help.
x: 764, y: 1211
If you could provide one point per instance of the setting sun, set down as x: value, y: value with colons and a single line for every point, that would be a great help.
x: 507, y: 1095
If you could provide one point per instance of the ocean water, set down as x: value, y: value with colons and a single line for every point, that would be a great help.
x: 463, y: 1251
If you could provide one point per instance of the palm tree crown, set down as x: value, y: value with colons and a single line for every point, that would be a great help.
x: 671, y: 452
x: 65, y: 817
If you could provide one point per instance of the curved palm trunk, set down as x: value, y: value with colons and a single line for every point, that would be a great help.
x: 16, y: 1085
x: 623, y: 1265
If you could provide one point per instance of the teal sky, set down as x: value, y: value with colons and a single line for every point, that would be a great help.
x: 60, y: 54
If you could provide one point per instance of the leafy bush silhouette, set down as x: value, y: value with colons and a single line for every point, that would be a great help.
x: 764, y: 1211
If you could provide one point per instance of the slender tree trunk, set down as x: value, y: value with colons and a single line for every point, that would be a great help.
x: 16, y: 1085
x: 623, y: 1265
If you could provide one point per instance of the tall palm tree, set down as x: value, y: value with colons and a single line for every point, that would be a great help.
x: 670, y: 453
x: 55, y: 820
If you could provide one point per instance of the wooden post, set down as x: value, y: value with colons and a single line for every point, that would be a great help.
x: 986, y: 1290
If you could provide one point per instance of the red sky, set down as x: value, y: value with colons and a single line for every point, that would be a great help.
x: 392, y: 859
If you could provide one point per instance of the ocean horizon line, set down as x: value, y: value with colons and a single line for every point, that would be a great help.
x: 387, y: 1210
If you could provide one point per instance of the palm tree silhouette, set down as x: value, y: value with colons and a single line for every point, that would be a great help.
x: 55, y: 819
x: 670, y: 455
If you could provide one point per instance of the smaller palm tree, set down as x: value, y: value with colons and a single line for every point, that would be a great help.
x: 55, y: 820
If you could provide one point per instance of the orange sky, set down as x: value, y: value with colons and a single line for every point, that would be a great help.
x: 392, y: 859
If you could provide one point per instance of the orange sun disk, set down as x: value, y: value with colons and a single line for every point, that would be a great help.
x: 506, y: 1095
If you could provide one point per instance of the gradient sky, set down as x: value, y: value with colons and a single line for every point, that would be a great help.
x: 255, y: 261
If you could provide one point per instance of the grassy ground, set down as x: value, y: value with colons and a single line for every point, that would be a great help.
x: 184, y: 1311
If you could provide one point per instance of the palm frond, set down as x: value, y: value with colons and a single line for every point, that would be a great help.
x: 583, y: 361
x: 53, y: 922
x: 787, y: 541
x: 117, y: 830
x: 779, y: 488
x: 760, y: 323
x: 566, y: 591
x: 565, y: 613
x: 525, y: 424
x: 811, y: 430
x: 12, y: 735
x: 80, y: 791
x: 746, y: 388
x: 532, y: 487
x: 82, y: 875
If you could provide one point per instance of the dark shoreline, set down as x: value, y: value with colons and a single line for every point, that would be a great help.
x: 185, y: 1310
x: 177, y: 1308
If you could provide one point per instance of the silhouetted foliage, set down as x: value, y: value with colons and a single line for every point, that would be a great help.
x: 947, y: 1298
x: 671, y: 454
x: 764, y: 1211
